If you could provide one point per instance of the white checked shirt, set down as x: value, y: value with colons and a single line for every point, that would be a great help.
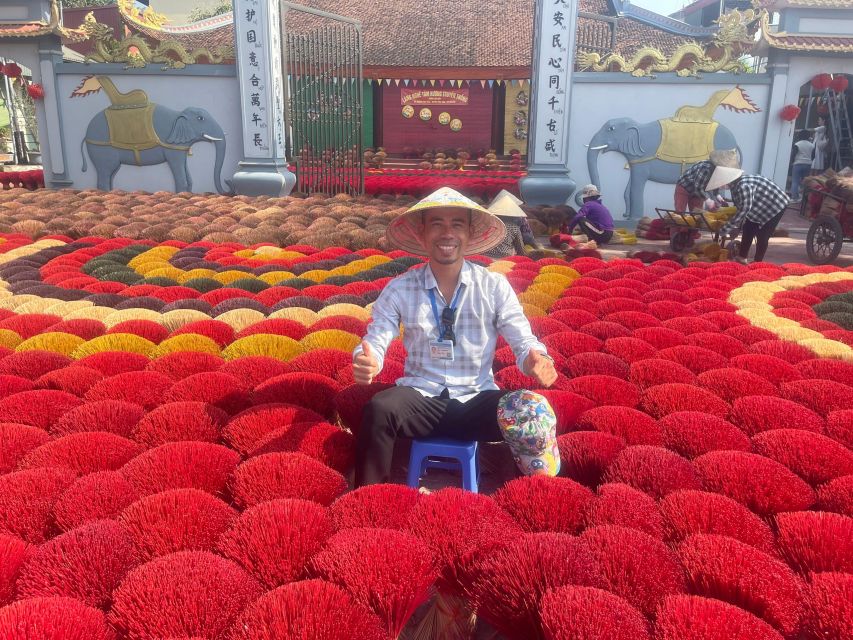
x: 758, y: 199
x: 487, y: 307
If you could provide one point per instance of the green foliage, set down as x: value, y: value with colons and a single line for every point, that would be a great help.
x: 209, y: 10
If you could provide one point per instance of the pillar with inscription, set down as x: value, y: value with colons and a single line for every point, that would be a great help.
x: 257, y: 32
x: 547, y: 181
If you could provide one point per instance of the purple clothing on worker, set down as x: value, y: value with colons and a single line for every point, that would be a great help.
x: 596, y: 213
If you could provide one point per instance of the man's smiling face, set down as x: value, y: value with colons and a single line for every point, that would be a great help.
x: 445, y: 233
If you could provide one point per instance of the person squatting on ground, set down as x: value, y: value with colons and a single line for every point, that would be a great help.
x: 452, y: 312
x: 593, y: 217
x: 691, y: 190
x: 760, y: 206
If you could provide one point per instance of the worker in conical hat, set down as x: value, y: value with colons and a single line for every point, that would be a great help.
x: 506, y: 207
x: 452, y: 311
x: 760, y: 203
x: 691, y: 190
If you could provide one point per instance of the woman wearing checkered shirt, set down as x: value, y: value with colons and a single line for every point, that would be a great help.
x: 691, y: 190
x: 760, y: 203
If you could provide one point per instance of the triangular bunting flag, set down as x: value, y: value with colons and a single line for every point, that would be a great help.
x: 432, y: 83
x: 491, y: 82
x: 397, y: 81
x: 406, y: 82
x: 387, y: 82
x: 483, y: 83
x: 441, y: 83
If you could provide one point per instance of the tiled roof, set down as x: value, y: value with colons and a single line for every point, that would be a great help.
x: 41, y: 28
x: 441, y: 33
x: 818, y: 42
x: 221, y: 35
x: 775, y: 5
x: 632, y: 35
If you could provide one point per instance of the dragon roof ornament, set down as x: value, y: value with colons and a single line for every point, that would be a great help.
x: 734, y: 37
x: 146, y: 17
x: 136, y: 52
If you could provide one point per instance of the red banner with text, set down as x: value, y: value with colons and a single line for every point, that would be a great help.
x: 427, y: 96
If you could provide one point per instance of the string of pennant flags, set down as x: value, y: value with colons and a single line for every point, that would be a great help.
x: 441, y: 83
x: 431, y: 83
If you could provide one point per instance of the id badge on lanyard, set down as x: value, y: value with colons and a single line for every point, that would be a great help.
x: 442, y: 349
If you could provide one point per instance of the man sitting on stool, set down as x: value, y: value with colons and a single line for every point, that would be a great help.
x: 452, y: 312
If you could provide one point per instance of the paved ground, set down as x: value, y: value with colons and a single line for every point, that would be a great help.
x: 781, y: 250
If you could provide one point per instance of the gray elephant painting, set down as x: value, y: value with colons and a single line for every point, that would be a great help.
x: 661, y: 150
x: 134, y: 131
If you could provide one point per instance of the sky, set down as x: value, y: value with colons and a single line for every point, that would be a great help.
x: 178, y: 9
x: 665, y: 7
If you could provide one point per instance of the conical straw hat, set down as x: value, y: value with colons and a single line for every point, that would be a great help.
x: 726, y: 158
x: 487, y: 230
x: 506, y: 205
x: 504, y: 192
x: 723, y: 176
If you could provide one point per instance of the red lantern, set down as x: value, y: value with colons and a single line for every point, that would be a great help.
x: 839, y: 84
x: 821, y: 81
x: 789, y: 112
x: 12, y: 70
x: 35, y: 91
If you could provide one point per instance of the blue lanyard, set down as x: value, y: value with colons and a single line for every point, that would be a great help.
x: 435, y: 308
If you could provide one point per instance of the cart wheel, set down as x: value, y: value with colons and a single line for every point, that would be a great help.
x: 679, y: 241
x: 824, y: 240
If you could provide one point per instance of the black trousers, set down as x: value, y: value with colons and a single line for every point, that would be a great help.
x: 761, y: 234
x: 403, y: 411
x: 594, y: 233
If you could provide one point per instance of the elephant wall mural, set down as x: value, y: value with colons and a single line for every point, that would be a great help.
x: 661, y: 150
x: 135, y: 131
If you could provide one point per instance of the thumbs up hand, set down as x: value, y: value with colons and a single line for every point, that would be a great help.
x: 540, y: 367
x: 365, y: 366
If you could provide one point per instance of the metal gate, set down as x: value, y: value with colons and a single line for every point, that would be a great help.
x: 321, y: 53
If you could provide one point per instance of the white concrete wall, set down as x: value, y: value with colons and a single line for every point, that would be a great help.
x: 790, y: 76
x: 219, y: 95
x: 646, y: 100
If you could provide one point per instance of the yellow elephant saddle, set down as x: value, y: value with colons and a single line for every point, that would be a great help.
x: 130, y: 120
x: 686, y: 142
x: 132, y: 128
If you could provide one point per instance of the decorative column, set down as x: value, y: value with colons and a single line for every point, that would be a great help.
x: 547, y: 181
x: 257, y: 32
x: 49, y: 114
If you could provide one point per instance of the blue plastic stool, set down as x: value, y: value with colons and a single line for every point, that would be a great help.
x: 456, y: 454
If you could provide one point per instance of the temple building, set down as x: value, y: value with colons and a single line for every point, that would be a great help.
x: 466, y: 87
x: 810, y: 57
